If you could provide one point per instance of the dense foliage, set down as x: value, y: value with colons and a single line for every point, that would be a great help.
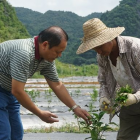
x: 126, y: 14
x: 10, y: 26
x: 70, y: 22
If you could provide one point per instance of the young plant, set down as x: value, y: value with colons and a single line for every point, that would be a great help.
x: 120, y: 98
x: 94, y: 95
x: 97, y: 128
x: 33, y: 94
x: 77, y: 91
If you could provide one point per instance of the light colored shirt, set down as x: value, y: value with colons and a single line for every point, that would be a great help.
x: 129, y: 53
x: 119, y: 72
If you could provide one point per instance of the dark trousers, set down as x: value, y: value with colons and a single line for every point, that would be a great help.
x: 129, y: 123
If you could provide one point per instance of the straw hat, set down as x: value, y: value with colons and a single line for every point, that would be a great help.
x: 97, y: 33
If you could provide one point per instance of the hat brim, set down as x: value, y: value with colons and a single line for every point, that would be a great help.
x: 108, y: 35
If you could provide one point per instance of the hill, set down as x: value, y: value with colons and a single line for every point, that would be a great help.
x: 126, y: 14
x: 70, y: 22
x: 10, y: 26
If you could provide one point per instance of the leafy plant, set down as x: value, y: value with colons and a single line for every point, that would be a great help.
x: 77, y: 91
x: 10, y: 26
x: 94, y: 95
x: 97, y: 128
x: 72, y: 70
x: 121, y: 99
x: 33, y: 94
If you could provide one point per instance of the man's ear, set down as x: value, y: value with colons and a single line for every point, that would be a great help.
x: 45, y: 45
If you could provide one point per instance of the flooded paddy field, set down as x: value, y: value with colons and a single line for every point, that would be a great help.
x: 80, y: 89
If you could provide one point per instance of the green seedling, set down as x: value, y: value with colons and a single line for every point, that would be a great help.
x: 94, y: 95
x: 77, y: 91
x: 50, y: 91
x: 121, y: 99
x: 97, y: 127
x: 33, y: 94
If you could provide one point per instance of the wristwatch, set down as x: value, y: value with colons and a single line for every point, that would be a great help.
x: 75, y: 106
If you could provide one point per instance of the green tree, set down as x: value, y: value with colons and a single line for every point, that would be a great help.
x: 10, y: 26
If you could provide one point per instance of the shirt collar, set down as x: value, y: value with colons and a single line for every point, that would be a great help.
x: 121, y: 44
x: 37, y: 56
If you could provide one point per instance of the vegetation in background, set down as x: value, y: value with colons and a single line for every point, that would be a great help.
x: 10, y: 26
x: 70, y: 128
x: 67, y: 70
x: 70, y: 22
x: 126, y: 14
x: 33, y: 94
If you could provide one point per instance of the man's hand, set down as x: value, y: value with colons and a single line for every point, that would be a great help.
x: 132, y: 99
x: 25, y: 101
x: 105, y: 105
x: 48, y: 117
x: 83, y: 114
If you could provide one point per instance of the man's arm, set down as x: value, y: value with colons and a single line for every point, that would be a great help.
x: 62, y: 93
x: 25, y: 101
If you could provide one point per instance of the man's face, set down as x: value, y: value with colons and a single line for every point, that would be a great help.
x: 104, y: 49
x: 50, y: 54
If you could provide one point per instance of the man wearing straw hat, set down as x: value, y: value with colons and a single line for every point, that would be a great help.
x: 119, y: 65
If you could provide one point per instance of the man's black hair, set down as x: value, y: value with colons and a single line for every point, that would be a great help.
x: 53, y: 35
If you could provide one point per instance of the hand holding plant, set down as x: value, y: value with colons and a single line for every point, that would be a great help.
x: 131, y: 99
x: 124, y: 96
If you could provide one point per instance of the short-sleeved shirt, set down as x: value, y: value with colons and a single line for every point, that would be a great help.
x: 17, y: 61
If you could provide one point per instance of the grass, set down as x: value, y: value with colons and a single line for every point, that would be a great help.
x: 68, y: 128
x: 68, y: 70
